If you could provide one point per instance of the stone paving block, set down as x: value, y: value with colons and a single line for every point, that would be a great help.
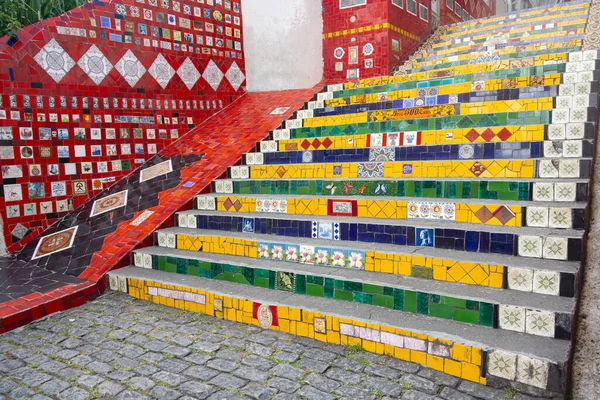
x: 346, y: 377
x: 287, y: 371
x: 196, y: 389
x: 222, y: 365
x: 382, y: 386
x: 131, y: 395
x: 420, y: 384
x: 74, y: 393
x: 284, y: 385
x: 257, y: 391
x: 382, y: 371
x: 168, y: 378
x: 325, y: 384
x: 162, y: 392
x: 251, y: 374
x: 141, y: 383
x: 313, y: 365
x: 227, y: 381
x: 54, y: 387
x: 257, y: 362
x: 453, y: 394
x: 310, y: 393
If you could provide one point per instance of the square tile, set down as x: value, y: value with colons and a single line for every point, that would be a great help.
x: 568, y: 169
x: 540, y: 323
x: 548, y: 169
x: 556, y: 131
x: 248, y: 226
x: 530, y: 246
x: 520, y: 279
x: 578, y: 115
x: 575, y: 130
x: 565, y: 191
x: 109, y: 203
x: 55, y: 243
x: 572, y: 149
x: 537, y: 216
x: 532, y: 372
x: 560, y: 218
x: 182, y: 220
x: 192, y: 221
x: 546, y: 282
x: 543, y: 192
x: 555, y: 248
x: 502, y: 364
x: 511, y: 318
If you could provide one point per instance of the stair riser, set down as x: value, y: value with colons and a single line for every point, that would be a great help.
x: 483, y: 190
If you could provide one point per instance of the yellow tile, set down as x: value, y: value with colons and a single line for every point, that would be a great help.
x: 418, y: 357
x: 435, y: 362
x: 470, y: 372
x: 452, y: 368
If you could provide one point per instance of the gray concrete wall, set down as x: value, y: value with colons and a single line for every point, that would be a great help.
x: 283, y: 44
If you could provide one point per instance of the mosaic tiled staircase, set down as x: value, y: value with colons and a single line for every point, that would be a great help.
x: 437, y: 217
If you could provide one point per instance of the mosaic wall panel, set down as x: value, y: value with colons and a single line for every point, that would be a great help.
x: 87, y: 98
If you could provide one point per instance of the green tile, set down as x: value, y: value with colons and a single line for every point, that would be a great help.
x: 435, y: 298
x: 353, y: 286
x: 300, y: 284
x: 486, y: 312
x: 399, y: 299
x: 441, y: 311
x: 329, y: 288
x: 261, y: 282
x: 363, y: 298
x: 375, y: 289
x: 317, y: 280
x: 383, y: 301
x: 472, y: 305
x: 388, y: 291
x: 343, y: 295
x: 452, y: 301
x: 314, y: 290
x: 466, y: 316
x: 410, y: 301
x: 272, y: 279
x: 422, y: 303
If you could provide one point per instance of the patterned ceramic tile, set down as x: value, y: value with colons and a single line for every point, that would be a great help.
x: 130, y: 68
x: 213, y: 75
x: 555, y: 248
x: 502, y: 364
x: 95, y: 64
x: 560, y: 218
x: 532, y: 372
x: 156, y: 170
x: 188, y: 73
x: 54, y: 60
x: 161, y: 71
x: 55, y: 242
x: 540, y: 323
x: 520, y: 279
x: 546, y: 282
x: 109, y: 203
x: 511, y: 318
x: 537, y: 216
x: 235, y: 76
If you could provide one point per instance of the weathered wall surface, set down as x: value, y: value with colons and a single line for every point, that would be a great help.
x: 283, y: 44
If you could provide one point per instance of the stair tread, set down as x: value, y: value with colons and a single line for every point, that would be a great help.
x: 548, y: 349
x: 495, y: 259
x: 470, y: 292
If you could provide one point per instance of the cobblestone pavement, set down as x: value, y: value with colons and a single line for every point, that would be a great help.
x: 118, y: 347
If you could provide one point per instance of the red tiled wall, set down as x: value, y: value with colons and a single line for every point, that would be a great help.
x: 336, y: 19
x: 475, y: 9
x: 146, y: 30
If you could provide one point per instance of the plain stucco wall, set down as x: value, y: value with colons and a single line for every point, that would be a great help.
x: 283, y: 44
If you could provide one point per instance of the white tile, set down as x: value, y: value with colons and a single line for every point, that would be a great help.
x: 540, y: 323
x: 138, y: 259
x: 564, y: 102
x: 546, y: 282
x: 162, y: 239
x: 192, y: 222
x: 565, y: 191
x: 113, y: 282
x: 577, y: 115
x: 560, y: 218
x: 532, y: 372
x: 293, y: 123
x: 543, y: 192
x: 566, y: 89
x: 520, y: 279
x: 511, y: 318
x: 553, y: 149
x: 585, y: 76
x: 573, y: 67
x: 171, y: 240
x: 234, y: 172
x: 530, y: 246
x: 182, y: 220
x: 582, y: 88
x: 273, y: 146
x: 259, y: 158
x: 502, y: 364
x: 201, y: 203
x: 590, y: 55
x: 211, y: 203
x: 556, y: 131
x: 576, y: 56
x: 575, y: 130
x: 244, y: 172
x: 228, y: 187
x: 570, y: 77
x: 250, y: 158
x: 568, y: 168
x: 219, y: 186
x: 122, y: 284
x: 147, y: 260
x: 560, y: 116
x: 537, y: 216
x: 581, y: 101
x: 548, y: 169
x: 572, y: 148
x: 555, y: 248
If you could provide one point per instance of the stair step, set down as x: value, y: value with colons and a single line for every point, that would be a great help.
x: 557, y: 309
x: 415, y: 338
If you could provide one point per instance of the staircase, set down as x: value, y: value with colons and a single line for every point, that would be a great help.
x: 437, y: 217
